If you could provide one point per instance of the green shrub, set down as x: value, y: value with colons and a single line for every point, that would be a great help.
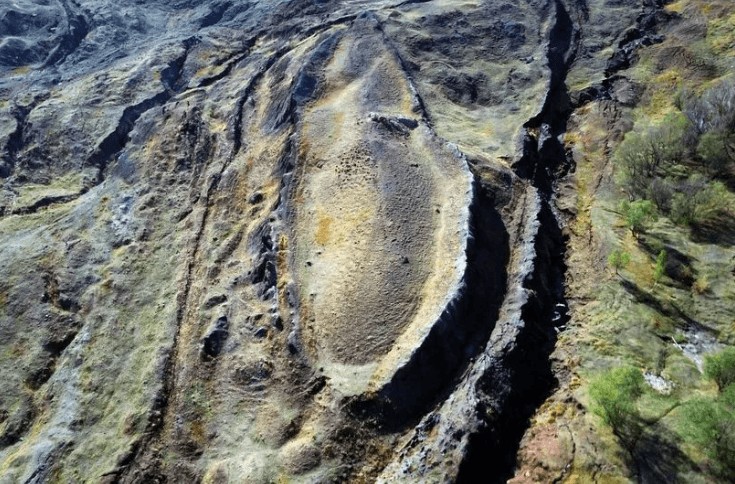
x: 638, y: 215
x: 698, y: 200
x: 618, y: 260
x: 710, y: 424
x: 660, y: 268
x: 720, y: 367
x: 614, y: 395
x: 715, y: 151
x: 727, y: 396
x: 646, y: 154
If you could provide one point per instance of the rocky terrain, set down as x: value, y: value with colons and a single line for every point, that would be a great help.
x: 344, y: 241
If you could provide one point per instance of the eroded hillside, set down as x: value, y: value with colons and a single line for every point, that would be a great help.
x: 341, y: 241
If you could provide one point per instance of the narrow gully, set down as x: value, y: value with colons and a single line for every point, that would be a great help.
x: 77, y: 30
x: 525, y: 372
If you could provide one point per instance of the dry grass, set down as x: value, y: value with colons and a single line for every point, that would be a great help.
x: 323, y: 229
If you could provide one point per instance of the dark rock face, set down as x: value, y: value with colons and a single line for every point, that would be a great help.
x: 263, y: 240
x: 213, y: 342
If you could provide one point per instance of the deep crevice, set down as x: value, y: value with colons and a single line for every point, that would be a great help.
x: 70, y: 41
x: 522, y: 379
x: 626, y: 54
x: 215, y: 15
x: 16, y: 139
x: 111, y: 146
x: 230, y: 64
x: 14, y: 144
x: 643, y: 34
x: 116, y: 141
x: 53, y: 349
x: 523, y: 376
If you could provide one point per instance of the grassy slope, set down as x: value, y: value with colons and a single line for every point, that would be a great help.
x: 627, y: 319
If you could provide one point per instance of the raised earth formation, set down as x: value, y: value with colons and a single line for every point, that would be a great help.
x: 303, y: 241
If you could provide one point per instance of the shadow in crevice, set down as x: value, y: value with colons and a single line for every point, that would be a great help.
x: 457, y: 337
x: 520, y: 380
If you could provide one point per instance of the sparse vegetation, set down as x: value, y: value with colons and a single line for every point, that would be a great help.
x: 676, y: 169
x: 701, y: 285
x: 253, y: 185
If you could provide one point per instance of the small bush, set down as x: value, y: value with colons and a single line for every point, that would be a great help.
x: 618, y: 260
x: 638, y: 215
x: 660, y: 268
x: 614, y: 395
x: 710, y: 423
x: 701, y: 285
x: 720, y: 367
x: 697, y: 201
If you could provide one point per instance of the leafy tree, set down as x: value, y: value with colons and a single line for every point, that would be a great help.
x: 614, y: 395
x: 660, y: 192
x: 638, y: 215
x: 668, y: 139
x: 636, y: 164
x: 717, y: 151
x: 720, y: 367
x: 660, y: 268
x: 618, y: 260
x: 710, y: 423
x: 650, y: 153
x: 713, y: 111
x: 698, y: 200
x: 712, y: 117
